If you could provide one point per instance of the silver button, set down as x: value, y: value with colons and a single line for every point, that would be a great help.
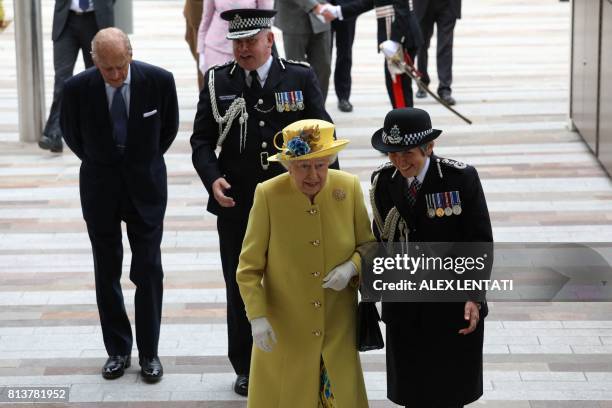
x: 260, y: 102
x: 264, y: 145
x: 261, y: 123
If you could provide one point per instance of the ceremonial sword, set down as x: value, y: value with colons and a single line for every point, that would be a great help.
x: 408, y: 68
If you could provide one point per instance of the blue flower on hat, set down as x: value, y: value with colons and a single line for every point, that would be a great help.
x: 297, y: 147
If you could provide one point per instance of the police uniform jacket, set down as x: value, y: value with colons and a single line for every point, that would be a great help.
x: 395, y: 18
x: 434, y: 364
x: 289, y: 247
x: 244, y: 169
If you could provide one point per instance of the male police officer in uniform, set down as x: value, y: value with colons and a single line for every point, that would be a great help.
x: 398, y: 31
x: 434, y: 350
x: 242, y: 106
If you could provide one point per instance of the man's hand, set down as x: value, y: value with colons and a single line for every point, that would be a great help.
x: 323, y: 10
x: 389, y: 48
x: 201, y: 63
x: 219, y: 187
x: 262, y: 332
x: 471, y: 313
x: 338, y: 278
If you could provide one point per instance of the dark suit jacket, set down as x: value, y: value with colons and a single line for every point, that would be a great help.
x: 243, y: 170
x: 141, y: 171
x: 420, y: 7
x: 405, y: 27
x: 103, y: 9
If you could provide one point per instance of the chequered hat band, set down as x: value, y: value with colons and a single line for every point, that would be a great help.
x: 239, y: 24
x: 394, y: 137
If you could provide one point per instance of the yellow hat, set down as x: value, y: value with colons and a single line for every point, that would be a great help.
x: 307, y: 139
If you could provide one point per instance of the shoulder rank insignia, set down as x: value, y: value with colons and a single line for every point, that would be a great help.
x: 303, y: 63
x: 454, y: 163
x: 225, y: 64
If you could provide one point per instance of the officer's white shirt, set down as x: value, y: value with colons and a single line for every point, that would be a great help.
x: 262, y: 72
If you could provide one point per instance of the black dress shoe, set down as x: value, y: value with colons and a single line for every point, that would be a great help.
x: 241, y: 386
x: 345, y: 106
x: 446, y: 97
x: 53, y: 143
x: 151, y: 369
x: 115, y: 367
x: 421, y: 94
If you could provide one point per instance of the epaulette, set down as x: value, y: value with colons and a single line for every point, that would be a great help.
x: 303, y: 63
x: 453, y: 163
x: 225, y: 64
x: 381, y: 168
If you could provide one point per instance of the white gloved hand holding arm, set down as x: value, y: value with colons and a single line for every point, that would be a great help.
x: 339, y: 277
x: 389, y: 48
x: 201, y: 63
x: 263, y: 335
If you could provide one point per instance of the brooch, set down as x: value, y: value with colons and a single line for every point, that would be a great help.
x: 339, y: 194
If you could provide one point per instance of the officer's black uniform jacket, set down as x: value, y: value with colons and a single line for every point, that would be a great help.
x: 430, y: 363
x: 405, y: 27
x: 244, y: 170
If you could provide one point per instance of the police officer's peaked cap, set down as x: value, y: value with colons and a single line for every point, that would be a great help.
x: 244, y: 23
x: 404, y: 129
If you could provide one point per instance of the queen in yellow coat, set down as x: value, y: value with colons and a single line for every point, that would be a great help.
x: 298, y: 277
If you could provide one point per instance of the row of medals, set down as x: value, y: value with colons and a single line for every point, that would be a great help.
x: 441, y: 204
x: 289, y: 101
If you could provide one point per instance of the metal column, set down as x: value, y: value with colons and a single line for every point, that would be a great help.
x: 124, y: 16
x: 30, y: 71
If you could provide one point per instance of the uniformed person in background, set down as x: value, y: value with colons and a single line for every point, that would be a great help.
x: 398, y: 31
x: 242, y: 106
x: 434, y: 350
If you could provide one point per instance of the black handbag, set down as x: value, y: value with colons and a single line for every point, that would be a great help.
x: 369, y: 336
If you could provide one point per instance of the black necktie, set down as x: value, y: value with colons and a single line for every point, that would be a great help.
x: 84, y: 5
x: 120, y: 119
x: 255, y: 85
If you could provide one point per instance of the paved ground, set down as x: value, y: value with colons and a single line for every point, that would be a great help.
x: 542, y: 184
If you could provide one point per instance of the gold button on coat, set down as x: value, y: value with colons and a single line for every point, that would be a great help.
x: 315, y: 243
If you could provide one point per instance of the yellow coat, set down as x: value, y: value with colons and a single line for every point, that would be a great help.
x: 289, y: 247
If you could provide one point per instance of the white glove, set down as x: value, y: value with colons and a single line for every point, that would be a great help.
x: 335, y: 11
x: 202, y: 64
x: 261, y: 330
x: 389, y: 48
x: 339, y: 277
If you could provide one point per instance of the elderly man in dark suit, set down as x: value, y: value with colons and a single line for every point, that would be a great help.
x: 434, y: 350
x: 75, y: 22
x: 243, y: 105
x: 120, y: 118
x: 444, y: 14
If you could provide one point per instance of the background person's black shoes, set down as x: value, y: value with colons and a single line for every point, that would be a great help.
x: 151, y: 369
x: 345, y: 106
x: 241, y: 386
x: 53, y: 143
x: 421, y: 94
x: 446, y: 97
x: 115, y: 367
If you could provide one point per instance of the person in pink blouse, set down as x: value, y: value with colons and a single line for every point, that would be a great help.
x: 213, y: 47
